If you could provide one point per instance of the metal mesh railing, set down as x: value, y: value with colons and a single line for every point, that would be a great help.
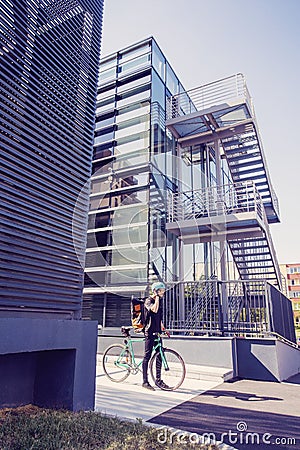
x: 209, y: 95
x: 215, y: 201
x: 231, y: 308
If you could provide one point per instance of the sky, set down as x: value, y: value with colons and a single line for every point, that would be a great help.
x: 205, y: 40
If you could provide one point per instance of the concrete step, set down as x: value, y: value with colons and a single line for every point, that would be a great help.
x: 209, y: 373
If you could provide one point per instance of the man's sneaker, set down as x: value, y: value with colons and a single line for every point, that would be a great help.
x: 161, y: 384
x: 148, y: 386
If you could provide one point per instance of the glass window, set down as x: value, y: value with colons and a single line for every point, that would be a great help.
x: 172, y: 81
x: 102, y: 151
x: 134, y: 52
x: 158, y: 90
x: 133, y: 64
x: 130, y: 234
x: 98, y: 239
x: 134, y: 98
x: 133, y: 84
x: 129, y: 276
x: 132, y: 143
x: 132, y: 111
x: 130, y: 214
x: 99, y: 202
x: 104, y: 121
x: 104, y: 138
x: 138, y: 127
x: 131, y: 159
x: 158, y: 60
x: 108, y: 63
x: 105, y: 94
x: 99, y: 185
x: 107, y: 75
x: 130, y: 255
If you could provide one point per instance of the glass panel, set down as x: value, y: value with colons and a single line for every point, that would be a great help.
x: 107, y: 63
x: 99, y: 202
x: 158, y: 90
x: 136, y: 180
x: 99, y: 186
x: 105, y: 94
x: 130, y: 276
x: 133, y: 64
x: 158, y: 60
x: 139, y: 141
x: 104, y: 138
x: 130, y: 234
x: 131, y: 159
x: 100, y: 238
x: 133, y: 98
x: 99, y: 220
x: 139, y: 50
x: 133, y: 111
x: 122, y: 199
x: 129, y: 215
x: 172, y: 81
x: 107, y: 75
x: 102, y: 151
x: 133, y: 129
x: 129, y: 256
x: 102, y: 122
x: 133, y: 84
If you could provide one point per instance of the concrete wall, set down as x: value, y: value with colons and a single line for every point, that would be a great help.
x: 205, y: 351
x: 266, y: 359
x: 288, y: 360
x: 50, y: 363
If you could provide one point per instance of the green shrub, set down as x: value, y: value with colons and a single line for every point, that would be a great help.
x: 32, y: 428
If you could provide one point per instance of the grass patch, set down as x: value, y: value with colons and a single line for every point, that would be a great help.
x: 30, y: 427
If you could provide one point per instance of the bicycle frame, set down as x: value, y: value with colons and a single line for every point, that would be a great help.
x: 129, y: 347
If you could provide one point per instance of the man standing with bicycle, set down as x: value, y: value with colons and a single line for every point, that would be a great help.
x: 154, y: 313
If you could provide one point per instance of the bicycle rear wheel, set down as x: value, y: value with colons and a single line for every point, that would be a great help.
x: 116, y: 362
x: 173, y: 375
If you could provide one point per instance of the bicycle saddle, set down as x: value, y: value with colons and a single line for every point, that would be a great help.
x: 125, y: 330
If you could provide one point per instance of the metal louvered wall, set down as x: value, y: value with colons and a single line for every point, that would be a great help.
x: 49, y: 55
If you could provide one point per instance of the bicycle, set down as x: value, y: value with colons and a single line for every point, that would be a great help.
x: 119, y: 362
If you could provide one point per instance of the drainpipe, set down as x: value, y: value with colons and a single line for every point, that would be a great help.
x: 223, y: 262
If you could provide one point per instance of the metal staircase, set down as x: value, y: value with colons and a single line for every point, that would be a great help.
x: 247, y: 163
x: 223, y: 111
x: 222, y: 114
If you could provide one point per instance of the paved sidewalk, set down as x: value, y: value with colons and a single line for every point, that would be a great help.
x: 263, y: 415
x: 255, y: 415
x: 129, y: 399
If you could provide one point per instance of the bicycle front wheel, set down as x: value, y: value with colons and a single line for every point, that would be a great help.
x: 116, y: 362
x: 172, y: 370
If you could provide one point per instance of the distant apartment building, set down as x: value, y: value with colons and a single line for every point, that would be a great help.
x: 291, y: 273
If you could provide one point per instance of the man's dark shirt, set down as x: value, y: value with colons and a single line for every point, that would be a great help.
x: 153, y: 323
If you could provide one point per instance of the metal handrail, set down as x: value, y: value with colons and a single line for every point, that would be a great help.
x: 215, y: 201
x: 208, y: 95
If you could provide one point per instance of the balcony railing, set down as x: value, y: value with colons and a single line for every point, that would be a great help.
x: 209, y: 95
x: 229, y: 308
x: 215, y: 201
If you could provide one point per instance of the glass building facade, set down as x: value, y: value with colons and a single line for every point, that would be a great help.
x: 136, y: 165
x: 49, y: 53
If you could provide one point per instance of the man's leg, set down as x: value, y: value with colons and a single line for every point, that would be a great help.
x: 147, y: 355
x: 158, y: 365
